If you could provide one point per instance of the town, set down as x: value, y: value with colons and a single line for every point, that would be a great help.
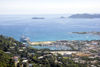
x: 19, y: 54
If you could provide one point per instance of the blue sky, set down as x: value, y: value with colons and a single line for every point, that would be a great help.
x: 49, y: 6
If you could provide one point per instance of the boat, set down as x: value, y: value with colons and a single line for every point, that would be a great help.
x: 24, y: 39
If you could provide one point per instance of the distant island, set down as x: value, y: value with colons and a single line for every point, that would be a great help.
x: 91, y: 16
x: 95, y: 33
x: 38, y: 18
x: 81, y: 32
x: 62, y: 17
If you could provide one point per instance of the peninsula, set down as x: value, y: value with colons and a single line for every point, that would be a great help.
x: 84, y: 16
x: 95, y: 33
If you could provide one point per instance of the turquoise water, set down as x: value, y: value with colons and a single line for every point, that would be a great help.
x: 51, y: 28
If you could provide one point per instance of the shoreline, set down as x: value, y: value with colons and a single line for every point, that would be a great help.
x: 65, y: 45
x: 50, y: 42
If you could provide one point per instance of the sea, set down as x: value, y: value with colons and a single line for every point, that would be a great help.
x: 51, y: 28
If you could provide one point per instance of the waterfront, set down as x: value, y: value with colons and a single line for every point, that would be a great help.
x: 54, y: 47
x: 68, y: 45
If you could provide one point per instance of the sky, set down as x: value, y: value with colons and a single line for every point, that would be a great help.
x: 49, y: 6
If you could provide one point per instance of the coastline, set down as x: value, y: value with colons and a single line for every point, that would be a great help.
x: 50, y: 42
x: 64, y: 45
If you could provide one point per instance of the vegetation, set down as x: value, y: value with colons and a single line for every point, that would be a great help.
x: 5, y: 60
x: 5, y: 44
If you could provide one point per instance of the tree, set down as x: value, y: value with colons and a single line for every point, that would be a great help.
x: 5, y: 60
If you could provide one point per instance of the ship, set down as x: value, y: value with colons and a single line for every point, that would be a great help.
x: 24, y: 39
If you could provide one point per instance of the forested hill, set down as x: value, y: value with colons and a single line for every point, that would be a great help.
x: 5, y: 51
x: 7, y: 42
